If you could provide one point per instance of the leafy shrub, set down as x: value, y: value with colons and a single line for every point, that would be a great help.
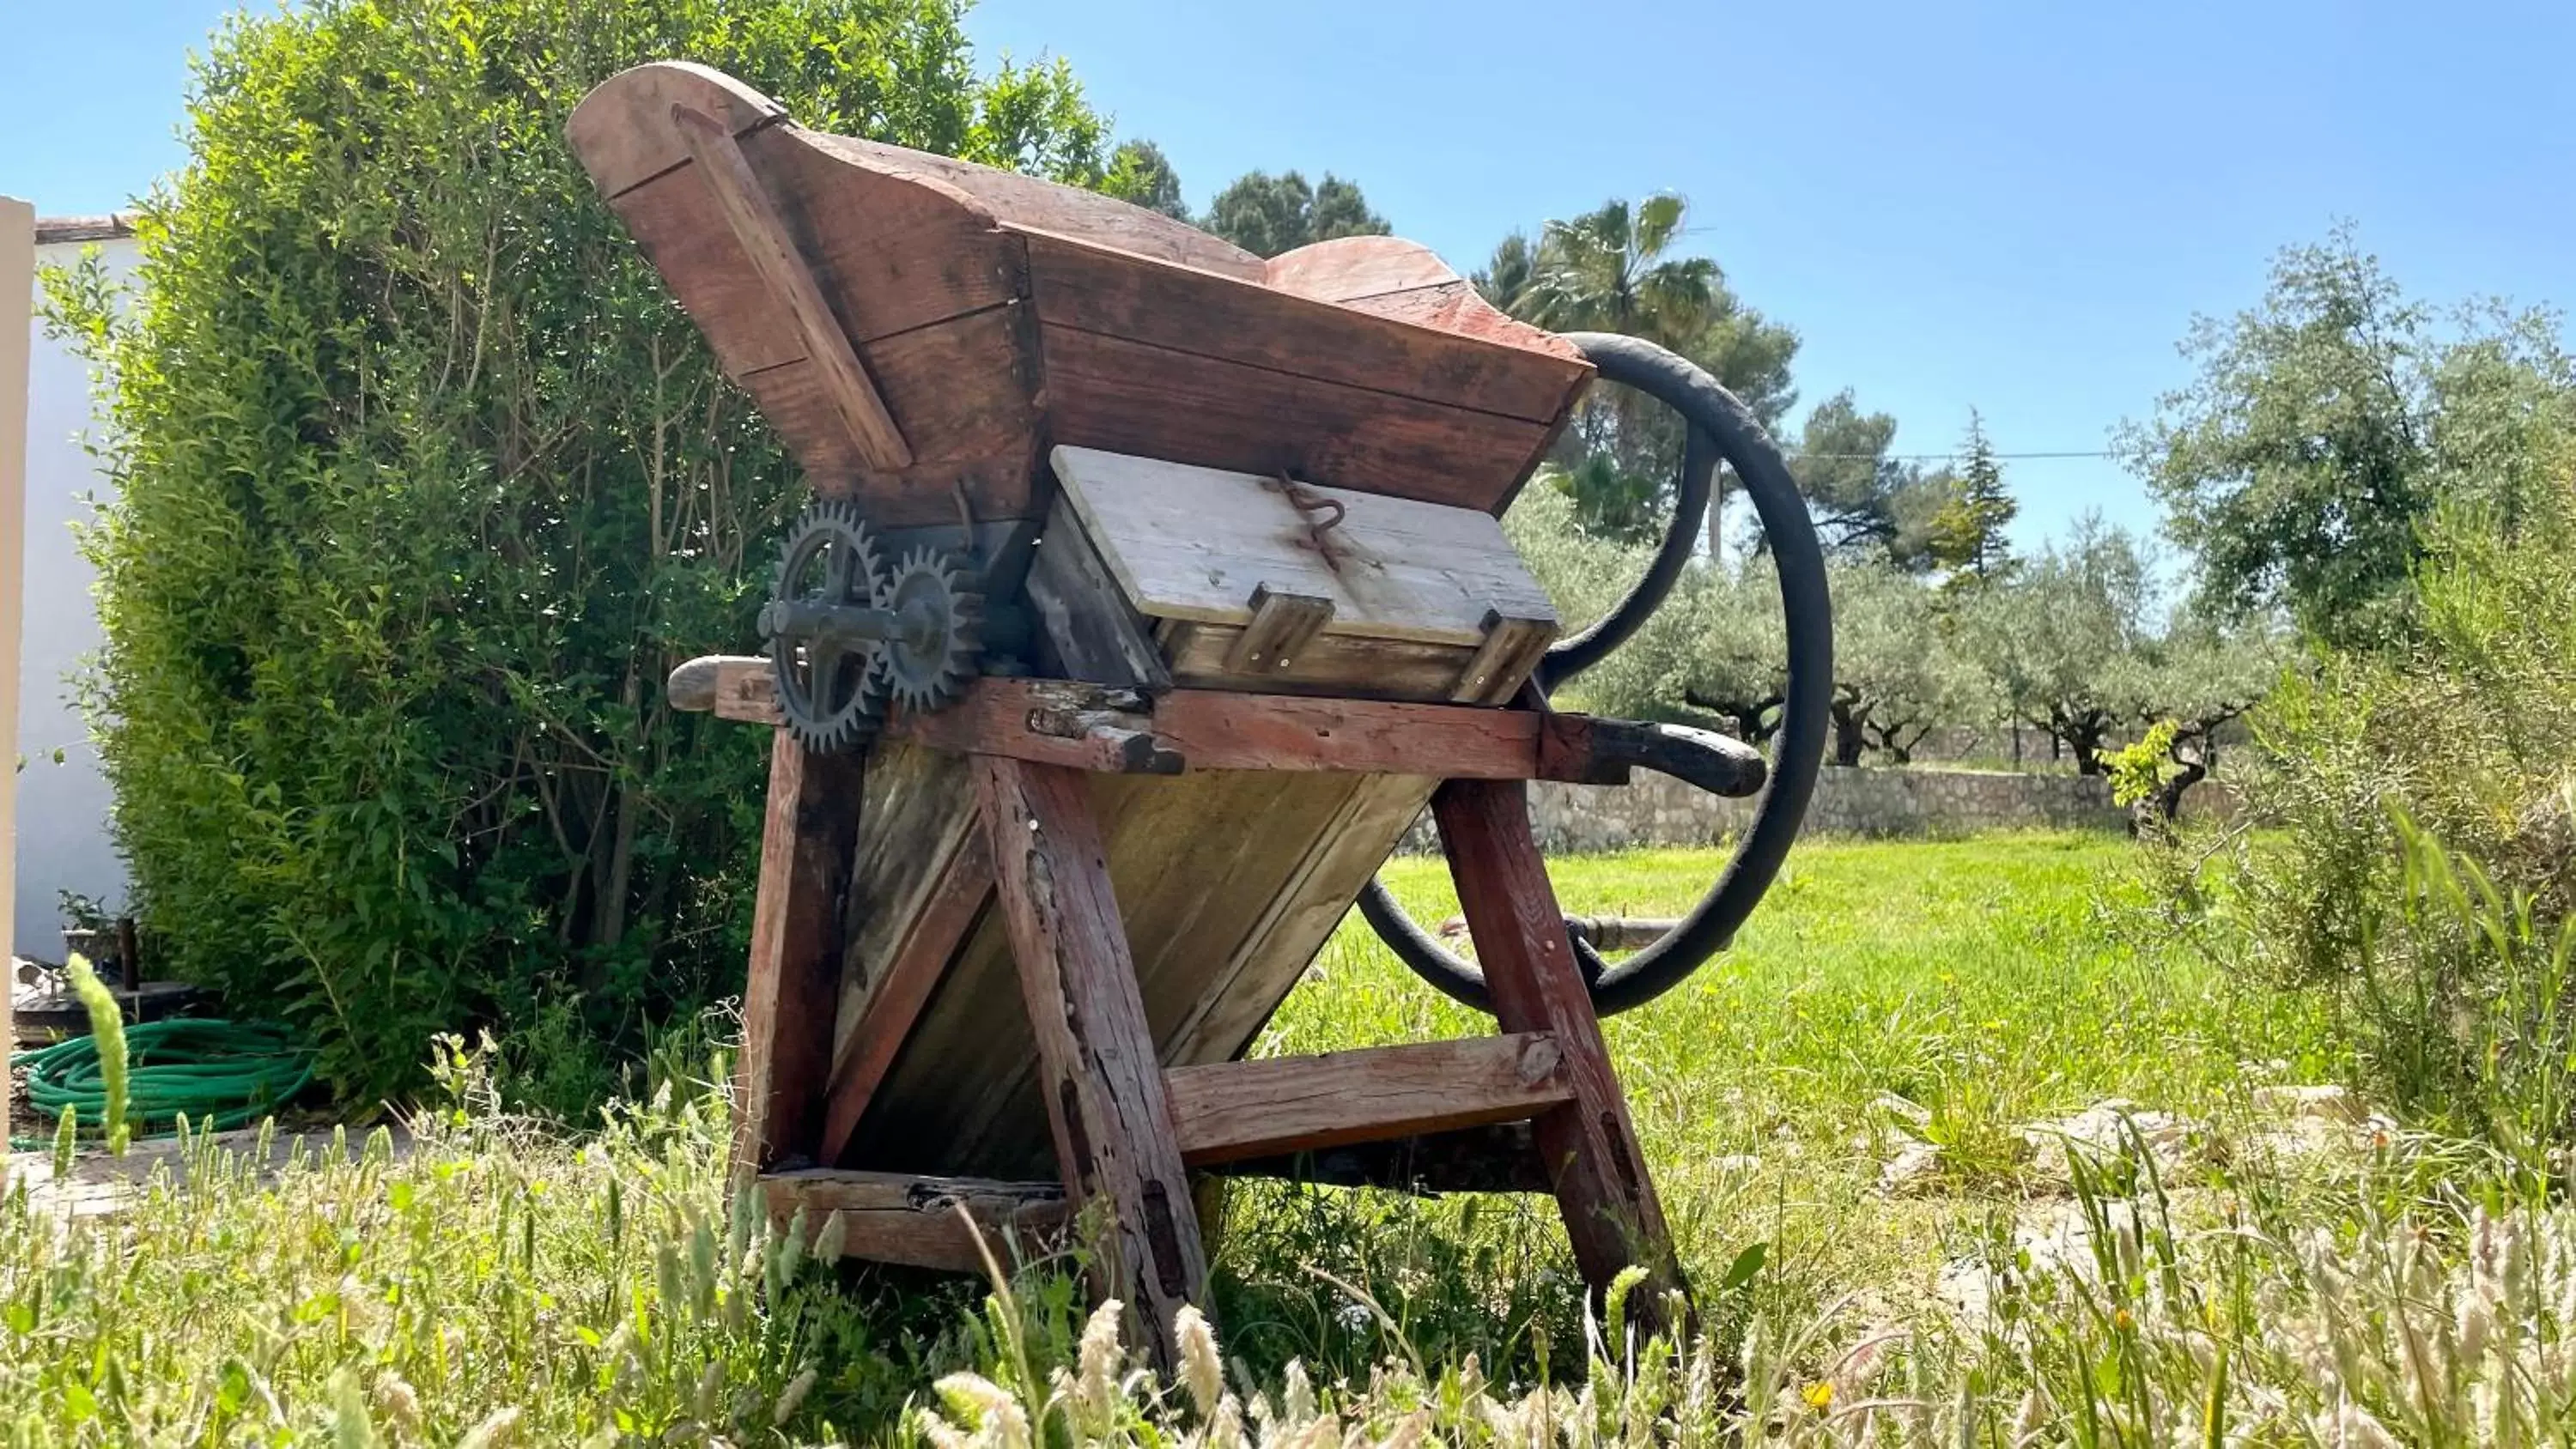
x: 2424, y: 868
x: 422, y: 484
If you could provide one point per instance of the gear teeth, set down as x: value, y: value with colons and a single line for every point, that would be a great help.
x: 815, y: 724
x: 919, y: 680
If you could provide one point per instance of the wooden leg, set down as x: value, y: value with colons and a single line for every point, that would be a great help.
x: 1105, y: 1097
x: 1588, y: 1145
x: 806, y: 847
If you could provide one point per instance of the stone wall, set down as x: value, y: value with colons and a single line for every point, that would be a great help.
x: 1659, y: 810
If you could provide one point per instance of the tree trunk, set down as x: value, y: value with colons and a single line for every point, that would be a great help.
x: 1849, y: 736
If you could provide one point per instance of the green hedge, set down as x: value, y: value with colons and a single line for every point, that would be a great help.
x: 423, y: 482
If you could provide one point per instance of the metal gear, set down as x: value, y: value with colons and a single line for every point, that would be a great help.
x: 831, y: 689
x: 940, y: 633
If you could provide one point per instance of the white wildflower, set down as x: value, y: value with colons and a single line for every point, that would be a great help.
x: 2350, y: 1426
x: 494, y: 1432
x: 999, y: 1417
x: 1095, y: 1388
x: 791, y: 1399
x: 1201, y: 1369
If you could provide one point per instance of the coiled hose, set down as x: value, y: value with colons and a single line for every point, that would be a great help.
x: 221, y: 1074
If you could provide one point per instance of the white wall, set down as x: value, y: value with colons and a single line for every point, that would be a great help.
x: 62, y: 808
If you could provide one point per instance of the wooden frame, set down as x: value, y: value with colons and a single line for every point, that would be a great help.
x: 1537, y: 1106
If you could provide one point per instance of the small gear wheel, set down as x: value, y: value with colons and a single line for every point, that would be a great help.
x: 939, y: 631
x: 830, y: 689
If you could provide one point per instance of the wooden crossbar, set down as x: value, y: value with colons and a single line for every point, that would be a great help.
x: 1228, y: 1111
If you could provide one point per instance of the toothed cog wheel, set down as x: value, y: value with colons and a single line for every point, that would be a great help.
x: 938, y: 633
x: 831, y: 689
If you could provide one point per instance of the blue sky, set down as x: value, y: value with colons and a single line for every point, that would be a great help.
x: 2016, y: 208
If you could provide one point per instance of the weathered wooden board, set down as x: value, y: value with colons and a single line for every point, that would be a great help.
x: 1196, y: 543
x: 914, y: 1221
x: 1229, y: 1111
x: 1227, y: 883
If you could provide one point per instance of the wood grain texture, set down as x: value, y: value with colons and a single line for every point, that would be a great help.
x: 758, y: 229
x: 1196, y: 543
x: 1588, y: 1145
x: 622, y: 130
x: 920, y: 809
x: 1124, y: 396
x: 1231, y: 1110
x: 1406, y: 281
x: 964, y: 390
x: 806, y: 848
x: 697, y: 685
x: 1101, y: 1079
x: 916, y: 1222
x: 1511, y: 652
x: 1281, y: 626
x: 931, y: 939
x: 1513, y: 371
x: 1035, y: 205
x: 1093, y: 633
x: 1222, y: 730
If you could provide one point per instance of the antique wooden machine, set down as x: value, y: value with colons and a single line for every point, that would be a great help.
x: 1150, y: 592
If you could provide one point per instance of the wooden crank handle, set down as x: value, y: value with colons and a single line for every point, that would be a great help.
x: 1719, y: 764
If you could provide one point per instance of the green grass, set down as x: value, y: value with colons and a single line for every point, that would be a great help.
x: 1991, y: 982
x: 600, y: 1288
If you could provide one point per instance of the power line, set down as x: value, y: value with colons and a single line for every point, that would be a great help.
x: 1953, y: 457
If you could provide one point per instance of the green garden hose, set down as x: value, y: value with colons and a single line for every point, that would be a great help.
x: 221, y: 1074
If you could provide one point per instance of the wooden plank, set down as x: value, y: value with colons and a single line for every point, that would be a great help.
x: 671, y: 221
x: 1332, y: 666
x: 964, y: 389
x: 1046, y: 722
x: 699, y: 685
x: 805, y: 853
x: 1102, y: 1082
x: 1196, y: 543
x: 932, y: 938
x: 1589, y: 1146
x: 1229, y: 1006
x: 915, y: 1221
x: 622, y: 130
x: 1094, y: 633
x: 1279, y: 1105
x: 1218, y: 730
x: 1513, y: 370
x: 1281, y: 627
x: 1124, y: 396
x: 756, y: 225
x: 1044, y: 208
x: 920, y: 809
x: 1511, y: 652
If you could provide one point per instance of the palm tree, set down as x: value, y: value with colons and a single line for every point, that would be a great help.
x: 1607, y: 270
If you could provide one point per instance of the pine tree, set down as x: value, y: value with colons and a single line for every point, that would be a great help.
x: 1967, y: 535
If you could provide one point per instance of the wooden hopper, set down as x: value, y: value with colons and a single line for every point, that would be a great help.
x: 1244, y: 513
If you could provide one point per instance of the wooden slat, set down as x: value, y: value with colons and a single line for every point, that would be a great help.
x: 936, y: 932
x: 1282, y: 625
x: 1218, y: 730
x: 1511, y: 652
x: 920, y: 809
x: 1198, y: 543
x: 1101, y: 1079
x: 1230, y: 1110
x: 1095, y: 634
x: 1588, y: 1145
x: 1046, y: 722
x: 765, y: 241
x: 805, y: 853
x: 1512, y: 370
x: 914, y: 1221
x: 1124, y: 396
